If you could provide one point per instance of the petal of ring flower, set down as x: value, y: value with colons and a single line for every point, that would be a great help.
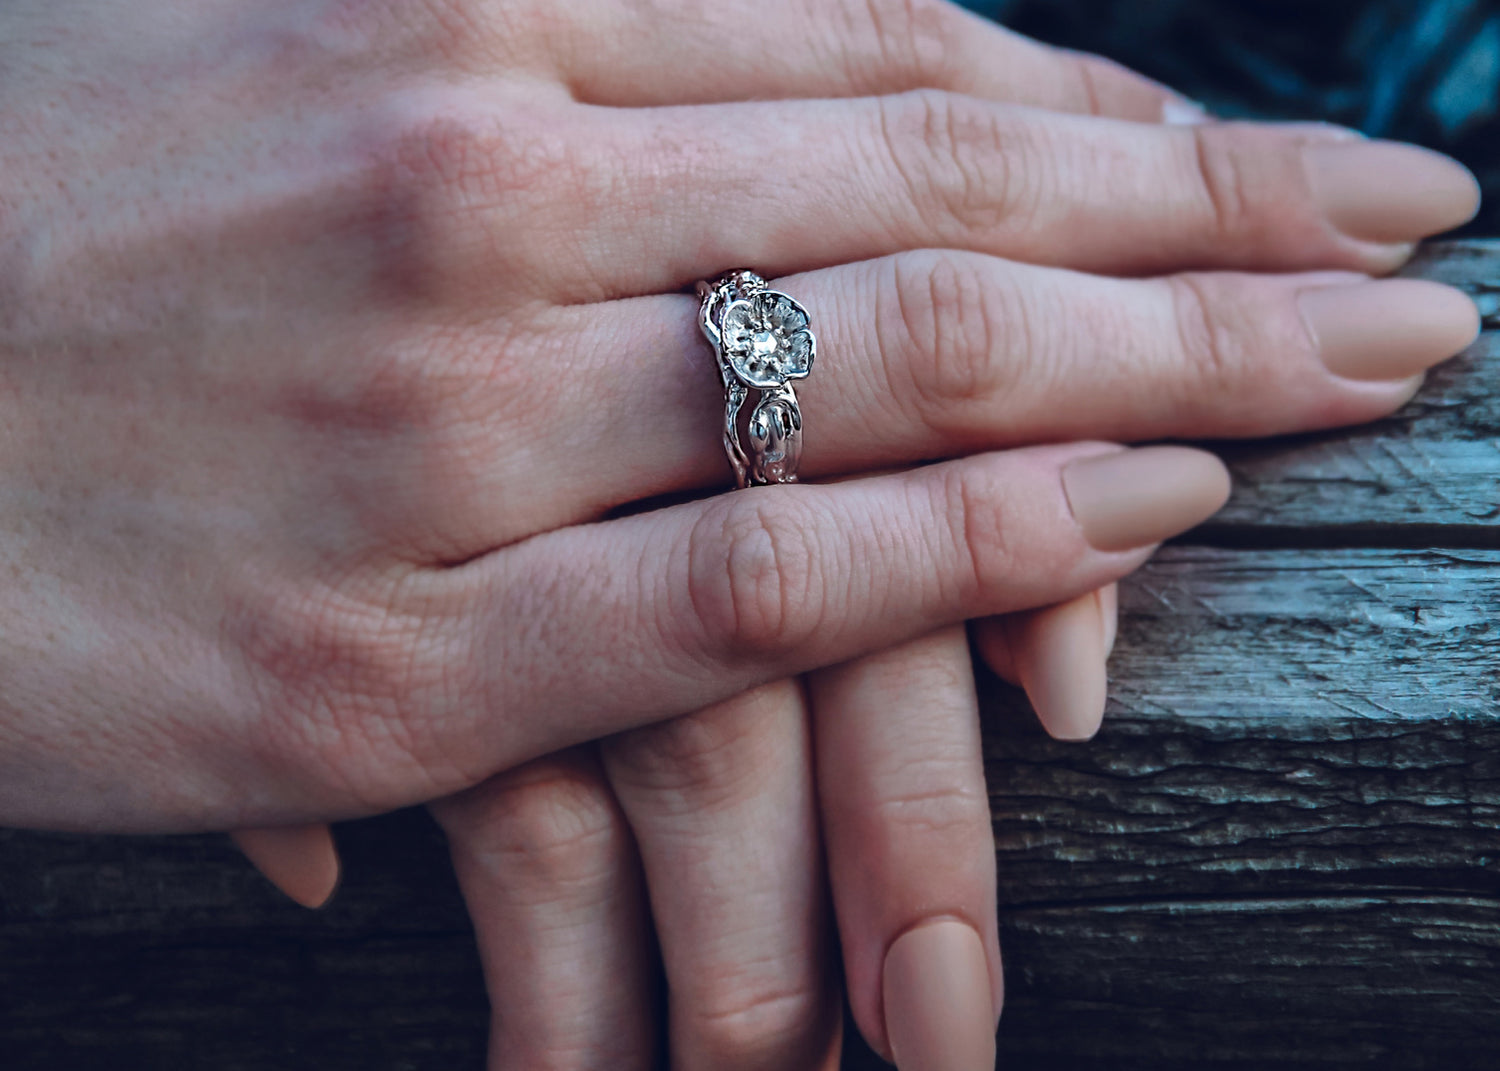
x: 767, y: 341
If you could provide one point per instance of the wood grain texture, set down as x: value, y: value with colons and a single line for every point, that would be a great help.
x: 1433, y: 465
x: 1284, y: 848
x: 1282, y: 851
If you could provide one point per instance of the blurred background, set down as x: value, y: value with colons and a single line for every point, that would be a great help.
x: 1426, y: 71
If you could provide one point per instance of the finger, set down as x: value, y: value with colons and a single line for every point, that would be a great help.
x: 677, y: 194
x: 1058, y: 655
x: 691, y: 53
x: 548, y: 871
x: 721, y: 804
x: 301, y: 861
x: 911, y: 858
x: 642, y: 618
x: 933, y: 354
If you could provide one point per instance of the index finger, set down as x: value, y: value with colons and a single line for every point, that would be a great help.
x: 647, y: 617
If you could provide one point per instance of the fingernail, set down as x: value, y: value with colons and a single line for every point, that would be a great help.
x: 1388, y: 329
x: 1384, y: 191
x: 301, y: 861
x: 1063, y: 668
x: 1179, y: 111
x: 1109, y: 610
x: 1138, y: 497
x: 1313, y: 128
x: 938, y: 1009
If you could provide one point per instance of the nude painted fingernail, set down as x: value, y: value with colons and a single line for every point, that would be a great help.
x: 1313, y: 128
x: 938, y: 1009
x: 1385, y: 191
x: 1109, y: 611
x: 301, y: 861
x: 1179, y: 111
x: 1062, y: 668
x: 1390, y: 328
x: 1138, y: 497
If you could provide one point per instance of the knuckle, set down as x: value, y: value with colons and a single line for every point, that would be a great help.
x: 912, y: 40
x: 1100, y: 86
x: 951, y: 817
x: 707, y: 761
x: 1086, y: 75
x: 1224, y: 166
x: 961, y: 160
x: 947, y: 323
x: 386, y: 392
x: 980, y: 526
x: 753, y: 581
x: 554, y: 827
x: 1214, y: 342
x: 447, y: 186
x: 747, y: 1025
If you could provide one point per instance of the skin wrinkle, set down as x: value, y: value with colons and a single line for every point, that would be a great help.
x: 1222, y: 183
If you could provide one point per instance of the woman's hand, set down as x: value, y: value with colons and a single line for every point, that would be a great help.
x: 718, y: 825
x: 322, y: 317
x: 412, y: 205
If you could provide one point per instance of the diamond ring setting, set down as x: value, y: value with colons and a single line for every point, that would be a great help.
x: 763, y: 343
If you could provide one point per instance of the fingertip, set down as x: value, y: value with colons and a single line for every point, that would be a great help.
x: 1109, y: 611
x: 1061, y: 666
x: 1134, y: 498
x: 1179, y: 111
x: 301, y: 861
x: 937, y: 997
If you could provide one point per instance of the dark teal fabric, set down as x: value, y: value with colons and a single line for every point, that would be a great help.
x: 1421, y: 70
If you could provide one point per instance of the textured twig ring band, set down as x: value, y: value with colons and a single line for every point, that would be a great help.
x: 762, y: 341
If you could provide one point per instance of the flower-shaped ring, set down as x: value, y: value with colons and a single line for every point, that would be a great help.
x: 763, y: 342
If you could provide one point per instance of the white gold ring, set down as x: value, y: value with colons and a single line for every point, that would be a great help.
x: 762, y: 341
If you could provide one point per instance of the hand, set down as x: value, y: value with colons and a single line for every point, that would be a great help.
x: 955, y: 435
x: 303, y: 380
x: 719, y: 812
x: 522, y: 801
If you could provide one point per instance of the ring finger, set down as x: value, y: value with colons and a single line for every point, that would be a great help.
x: 934, y: 354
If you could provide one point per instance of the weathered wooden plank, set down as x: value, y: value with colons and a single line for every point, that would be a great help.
x: 1437, y: 462
x: 171, y: 953
x: 1284, y: 848
x: 1390, y: 982
x: 1315, y: 636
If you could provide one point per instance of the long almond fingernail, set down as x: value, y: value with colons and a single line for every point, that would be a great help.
x: 1062, y: 667
x: 301, y: 861
x: 1138, y: 497
x: 938, y: 1009
x: 1385, y: 191
x: 1109, y: 609
x: 1388, y: 329
x: 1179, y: 111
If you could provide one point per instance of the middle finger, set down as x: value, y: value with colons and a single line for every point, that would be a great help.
x: 637, y: 201
x: 721, y: 804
